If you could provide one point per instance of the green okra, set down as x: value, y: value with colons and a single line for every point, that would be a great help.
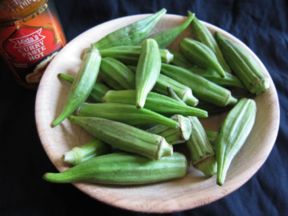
x: 120, y: 168
x: 229, y: 80
x: 147, y: 71
x: 181, y: 61
x: 125, y: 137
x: 233, y: 134
x: 130, y: 54
x: 115, y: 70
x: 202, y: 34
x: 125, y: 113
x: 201, y: 150
x: 82, y: 85
x: 166, y: 37
x: 165, y: 84
x: 201, y: 55
x: 183, y: 92
x: 84, y: 152
x: 202, y: 88
x: 111, y: 83
x: 212, y: 136
x: 155, y: 102
x: 132, y: 34
x: 173, y: 95
x: 174, y: 135
x: 243, y: 65
x: 98, y: 90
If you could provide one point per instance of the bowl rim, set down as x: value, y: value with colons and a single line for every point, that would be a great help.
x: 242, y: 178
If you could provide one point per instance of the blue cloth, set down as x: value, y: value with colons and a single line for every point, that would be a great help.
x: 262, y: 25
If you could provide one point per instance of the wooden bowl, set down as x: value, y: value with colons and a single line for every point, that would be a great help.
x: 192, y: 191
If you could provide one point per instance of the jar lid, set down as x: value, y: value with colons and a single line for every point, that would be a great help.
x: 13, y: 10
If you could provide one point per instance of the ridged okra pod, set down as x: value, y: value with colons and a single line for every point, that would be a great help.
x: 163, y: 84
x: 201, y: 33
x: 130, y: 54
x: 166, y: 37
x: 202, y: 88
x: 112, y: 69
x: 123, y: 169
x: 125, y: 137
x: 201, y: 150
x: 183, y: 92
x: 229, y: 80
x: 200, y: 55
x: 132, y: 34
x: 233, y: 134
x: 147, y: 71
x: 243, y: 65
x: 82, y: 85
x: 181, y: 61
x: 155, y: 102
x: 125, y: 113
x: 98, y: 91
x: 86, y: 151
x: 212, y: 136
x: 174, y: 135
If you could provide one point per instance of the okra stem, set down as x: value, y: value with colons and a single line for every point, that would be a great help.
x: 84, y: 152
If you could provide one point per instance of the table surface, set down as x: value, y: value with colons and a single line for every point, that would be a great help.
x: 262, y: 25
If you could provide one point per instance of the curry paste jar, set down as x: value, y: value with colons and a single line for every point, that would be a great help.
x: 30, y: 36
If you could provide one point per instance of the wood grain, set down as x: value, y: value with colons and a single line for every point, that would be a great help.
x: 189, y: 192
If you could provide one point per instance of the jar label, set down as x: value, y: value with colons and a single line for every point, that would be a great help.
x: 28, y: 46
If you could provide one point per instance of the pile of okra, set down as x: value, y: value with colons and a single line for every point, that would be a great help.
x: 140, y: 101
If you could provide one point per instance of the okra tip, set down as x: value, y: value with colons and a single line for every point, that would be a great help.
x: 56, y: 178
x: 57, y: 121
x: 208, y: 166
x: 190, y: 99
x: 71, y: 157
x: 165, y: 149
x: 232, y: 100
x: 185, y: 126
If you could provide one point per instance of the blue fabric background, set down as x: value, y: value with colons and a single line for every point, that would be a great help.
x: 262, y: 25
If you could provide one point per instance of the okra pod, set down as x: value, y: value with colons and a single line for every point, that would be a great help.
x: 164, y: 83
x: 202, y: 88
x: 174, y: 135
x: 125, y: 137
x: 166, y: 37
x: 243, y: 65
x: 120, y: 168
x: 183, y: 92
x: 115, y: 70
x: 147, y: 71
x: 173, y: 95
x: 125, y: 113
x: 203, y: 35
x: 201, y: 150
x: 132, y: 34
x: 233, y: 134
x: 212, y: 135
x: 130, y: 54
x: 229, y: 80
x: 84, y: 152
x: 181, y: 61
x: 82, y: 85
x: 155, y: 102
x: 97, y: 92
x: 200, y: 55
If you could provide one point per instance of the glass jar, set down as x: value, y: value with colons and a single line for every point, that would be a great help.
x: 30, y: 36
